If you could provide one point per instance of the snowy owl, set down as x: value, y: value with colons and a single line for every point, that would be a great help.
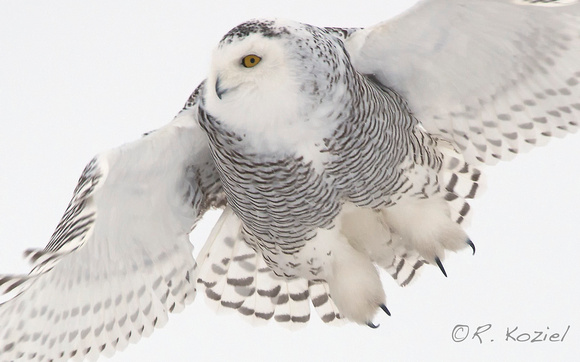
x: 333, y: 152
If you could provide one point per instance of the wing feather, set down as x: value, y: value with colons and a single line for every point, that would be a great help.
x: 120, y: 259
x: 494, y: 77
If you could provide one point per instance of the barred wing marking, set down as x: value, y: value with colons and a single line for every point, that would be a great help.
x: 70, y: 234
x: 120, y: 259
x: 462, y: 182
x: 235, y: 277
x: 78, y: 218
x: 495, y: 77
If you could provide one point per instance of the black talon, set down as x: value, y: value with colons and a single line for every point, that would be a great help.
x: 370, y: 324
x: 440, y: 265
x: 384, y: 308
x: 470, y: 243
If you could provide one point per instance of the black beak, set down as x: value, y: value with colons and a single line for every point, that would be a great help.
x: 218, y: 90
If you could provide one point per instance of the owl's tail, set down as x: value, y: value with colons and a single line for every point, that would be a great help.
x: 234, y: 276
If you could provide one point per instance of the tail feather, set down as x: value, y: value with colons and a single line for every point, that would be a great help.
x: 236, y: 277
x: 405, y: 267
x: 325, y: 307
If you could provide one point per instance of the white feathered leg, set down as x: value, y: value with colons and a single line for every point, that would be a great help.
x: 426, y: 225
x: 354, y: 282
x: 368, y: 232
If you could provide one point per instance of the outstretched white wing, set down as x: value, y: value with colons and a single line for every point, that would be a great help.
x: 494, y: 76
x: 120, y: 259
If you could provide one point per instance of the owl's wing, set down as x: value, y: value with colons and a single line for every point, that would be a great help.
x: 495, y: 77
x: 120, y: 258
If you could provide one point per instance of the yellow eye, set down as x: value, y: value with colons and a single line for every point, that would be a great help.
x: 251, y: 60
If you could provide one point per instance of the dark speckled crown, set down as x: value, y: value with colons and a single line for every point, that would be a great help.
x: 265, y: 27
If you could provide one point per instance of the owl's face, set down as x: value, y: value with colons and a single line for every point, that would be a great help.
x: 252, y: 77
x: 273, y: 76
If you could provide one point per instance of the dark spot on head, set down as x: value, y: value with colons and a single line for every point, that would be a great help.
x: 265, y: 27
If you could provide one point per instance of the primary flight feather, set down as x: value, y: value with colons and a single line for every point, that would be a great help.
x: 333, y: 151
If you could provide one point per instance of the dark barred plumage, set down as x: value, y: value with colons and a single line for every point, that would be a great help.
x: 236, y: 277
x: 76, y: 222
x: 373, y: 141
x: 267, y: 192
x: 73, y: 225
x: 342, y: 33
x: 265, y: 28
x: 283, y: 199
x: 204, y: 189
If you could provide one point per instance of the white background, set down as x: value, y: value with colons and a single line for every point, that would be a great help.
x: 77, y: 78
